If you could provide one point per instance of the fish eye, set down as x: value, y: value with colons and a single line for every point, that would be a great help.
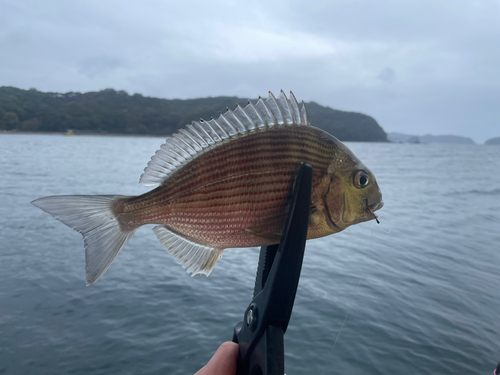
x: 361, y: 179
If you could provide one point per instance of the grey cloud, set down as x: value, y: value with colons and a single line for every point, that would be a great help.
x: 99, y: 66
x: 387, y: 75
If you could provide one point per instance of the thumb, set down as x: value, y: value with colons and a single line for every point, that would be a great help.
x: 224, y: 361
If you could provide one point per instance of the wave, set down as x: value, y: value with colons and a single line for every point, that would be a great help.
x: 477, y: 192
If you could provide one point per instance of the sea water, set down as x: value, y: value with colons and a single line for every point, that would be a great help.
x: 423, y: 298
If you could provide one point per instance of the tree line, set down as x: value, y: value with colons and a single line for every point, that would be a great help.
x: 116, y: 112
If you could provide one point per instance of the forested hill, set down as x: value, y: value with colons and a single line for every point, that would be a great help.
x: 116, y: 112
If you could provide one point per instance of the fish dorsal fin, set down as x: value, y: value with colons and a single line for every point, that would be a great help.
x: 201, y: 136
x: 198, y: 259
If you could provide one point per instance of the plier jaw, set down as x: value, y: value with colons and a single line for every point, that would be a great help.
x: 260, y: 334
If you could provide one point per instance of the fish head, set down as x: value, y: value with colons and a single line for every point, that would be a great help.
x: 352, y: 195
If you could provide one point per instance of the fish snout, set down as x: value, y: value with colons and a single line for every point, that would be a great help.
x: 376, y: 206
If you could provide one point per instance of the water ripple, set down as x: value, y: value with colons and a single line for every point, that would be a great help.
x: 422, y: 298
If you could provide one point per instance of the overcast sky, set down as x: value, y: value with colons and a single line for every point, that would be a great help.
x: 417, y: 67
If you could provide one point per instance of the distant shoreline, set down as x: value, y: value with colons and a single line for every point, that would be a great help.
x: 84, y: 134
x: 13, y: 132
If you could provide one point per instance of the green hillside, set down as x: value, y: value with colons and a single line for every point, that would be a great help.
x: 116, y: 112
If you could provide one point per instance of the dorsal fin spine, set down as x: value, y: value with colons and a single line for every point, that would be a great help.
x: 179, y: 139
x: 305, y: 115
x: 163, y: 155
x: 296, y: 108
x: 228, y: 123
x: 282, y: 98
x: 217, y: 137
x: 187, y: 133
x: 278, y: 107
x: 269, y: 113
x: 233, y: 120
x: 220, y: 127
x: 196, y: 134
x: 175, y: 152
x: 199, y: 125
x: 259, y: 115
x: 246, y: 115
x: 186, y: 138
x: 165, y: 158
x: 177, y: 149
x: 243, y: 127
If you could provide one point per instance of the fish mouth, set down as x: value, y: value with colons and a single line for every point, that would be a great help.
x: 375, y: 206
x: 370, y: 209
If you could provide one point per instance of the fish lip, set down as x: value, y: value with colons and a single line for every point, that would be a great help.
x: 370, y: 209
x: 375, y: 206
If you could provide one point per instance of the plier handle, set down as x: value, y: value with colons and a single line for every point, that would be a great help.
x: 260, y: 334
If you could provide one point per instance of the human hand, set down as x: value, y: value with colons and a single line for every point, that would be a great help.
x: 223, y: 362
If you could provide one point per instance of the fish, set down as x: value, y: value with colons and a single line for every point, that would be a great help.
x: 226, y: 183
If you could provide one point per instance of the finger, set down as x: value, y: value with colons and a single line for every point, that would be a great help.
x: 224, y: 361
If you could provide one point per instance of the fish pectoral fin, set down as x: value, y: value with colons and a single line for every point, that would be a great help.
x: 198, y: 258
x: 312, y: 212
x: 269, y: 236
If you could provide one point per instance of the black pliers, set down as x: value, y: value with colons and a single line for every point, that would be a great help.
x: 260, y: 334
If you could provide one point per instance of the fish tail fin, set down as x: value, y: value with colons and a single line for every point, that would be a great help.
x: 93, y: 216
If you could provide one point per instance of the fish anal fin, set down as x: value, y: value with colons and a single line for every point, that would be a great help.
x: 197, y: 258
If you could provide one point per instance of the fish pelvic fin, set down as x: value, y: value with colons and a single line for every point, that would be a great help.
x: 197, y: 258
x: 272, y: 237
x: 94, y: 218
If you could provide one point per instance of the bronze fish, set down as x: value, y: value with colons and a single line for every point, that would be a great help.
x: 226, y: 183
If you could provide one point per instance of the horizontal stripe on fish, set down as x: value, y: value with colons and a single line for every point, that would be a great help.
x: 220, y: 194
x: 244, y: 156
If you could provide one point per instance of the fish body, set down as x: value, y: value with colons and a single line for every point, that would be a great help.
x: 227, y: 183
